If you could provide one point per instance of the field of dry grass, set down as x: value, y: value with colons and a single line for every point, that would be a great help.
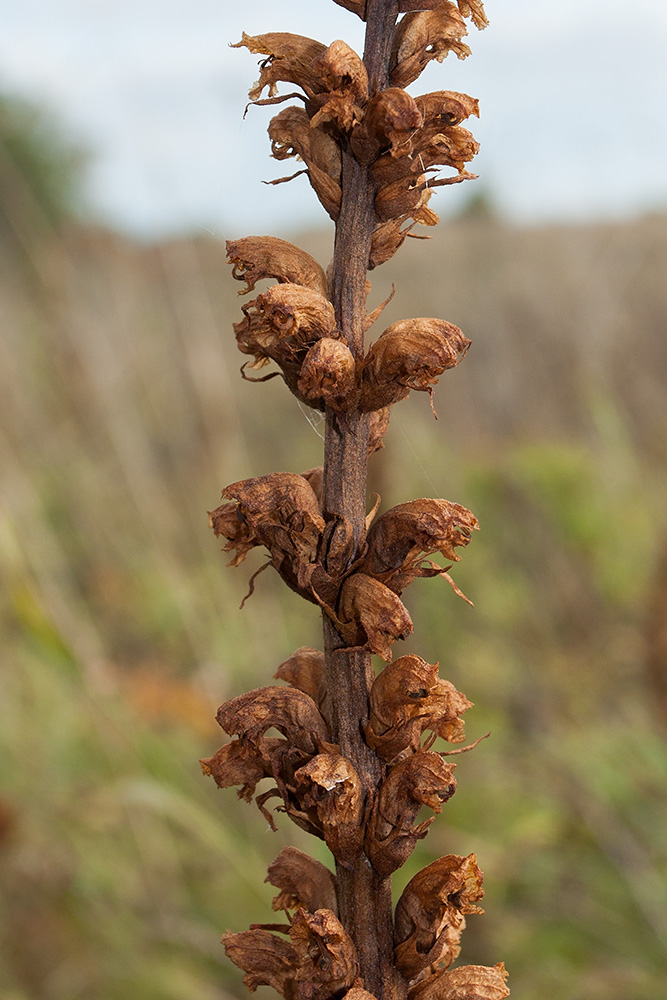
x: 122, y: 415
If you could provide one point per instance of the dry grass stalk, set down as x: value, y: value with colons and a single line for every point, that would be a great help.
x: 349, y: 765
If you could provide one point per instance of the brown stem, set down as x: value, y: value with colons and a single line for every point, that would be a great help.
x: 364, y: 899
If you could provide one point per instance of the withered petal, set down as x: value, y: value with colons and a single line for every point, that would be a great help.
x: 329, y: 373
x: 423, y: 779
x: 329, y: 786
x: 304, y: 670
x: 430, y: 914
x: 371, y: 615
x: 400, y: 538
x: 408, y: 698
x: 421, y: 37
x: 266, y: 959
x: 290, y: 59
x: 302, y: 881
x: 467, y: 982
x: 409, y: 354
x: 288, y: 710
x: 257, y: 257
x: 326, y: 955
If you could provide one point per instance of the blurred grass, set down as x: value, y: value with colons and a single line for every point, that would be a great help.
x: 122, y: 415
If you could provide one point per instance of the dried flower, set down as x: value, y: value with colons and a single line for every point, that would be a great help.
x: 326, y: 955
x: 329, y: 792
x: 304, y: 670
x: 257, y: 257
x: 406, y: 699
x: 302, y: 881
x: 400, y: 538
x: 468, y: 982
x: 370, y: 615
x: 289, y: 59
x: 328, y: 376
x: 430, y: 914
x: 423, y: 779
x: 291, y: 134
x: 288, y: 710
x: 423, y: 36
x: 410, y: 354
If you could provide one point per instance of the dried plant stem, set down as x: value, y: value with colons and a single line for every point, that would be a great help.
x: 364, y: 898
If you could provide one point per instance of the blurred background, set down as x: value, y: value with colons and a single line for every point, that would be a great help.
x: 125, y: 162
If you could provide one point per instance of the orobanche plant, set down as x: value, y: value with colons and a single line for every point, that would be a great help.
x: 354, y: 762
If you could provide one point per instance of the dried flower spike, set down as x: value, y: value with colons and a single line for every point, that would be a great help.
x: 348, y: 755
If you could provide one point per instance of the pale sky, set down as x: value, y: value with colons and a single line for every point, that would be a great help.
x: 572, y: 98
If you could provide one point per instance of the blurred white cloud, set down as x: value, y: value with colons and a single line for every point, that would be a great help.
x: 571, y: 94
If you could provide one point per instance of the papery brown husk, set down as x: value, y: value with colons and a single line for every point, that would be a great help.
x: 291, y: 134
x: 266, y: 959
x: 467, y: 982
x: 304, y: 670
x: 430, y: 913
x: 408, y: 698
x: 288, y: 710
x: 391, y: 120
x: 329, y: 787
x: 370, y: 615
x: 345, y: 81
x: 421, y: 37
x: 423, y: 779
x: 302, y: 881
x: 329, y: 375
x: 409, y: 354
x: 289, y: 59
x: 257, y: 257
x: 400, y: 538
x: 281, y: 511
x: 282, y: 323
x: 326, y: 956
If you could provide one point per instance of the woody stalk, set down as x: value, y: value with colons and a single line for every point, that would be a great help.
x: 354, y: 762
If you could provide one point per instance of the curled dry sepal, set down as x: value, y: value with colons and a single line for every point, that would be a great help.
x: 286, y: 735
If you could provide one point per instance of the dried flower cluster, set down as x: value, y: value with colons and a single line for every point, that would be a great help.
x: 349, y: 756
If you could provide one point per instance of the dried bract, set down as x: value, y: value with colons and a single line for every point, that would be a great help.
x: 266, y: 959
x: 406, y: 699
x: 329, y: 375
x: 400, y: 538
x: 326, y: 956
x: 410, y: 354
x: 345, y: 82
x: 421, y: 37
x: 257, y: 257
x: 329, y: 791
x: 370, y: 615
x: 291, y: 134
x: 302, y: 881
x: 468, y: 982
x: 291, y: 712
x: 423, y: 779
x: 281, y: 511
x: 304, y: 670
x: 289, y: 58
x: 391, y: 120
x: 378, y: 425
x: 430, y: 914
